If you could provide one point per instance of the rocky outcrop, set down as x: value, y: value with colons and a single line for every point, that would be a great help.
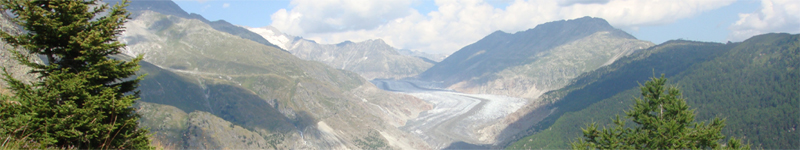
x: 7, y: 61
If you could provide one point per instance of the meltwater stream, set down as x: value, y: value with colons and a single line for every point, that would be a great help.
x: 455, y: 117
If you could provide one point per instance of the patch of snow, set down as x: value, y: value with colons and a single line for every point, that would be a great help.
x: 272, y: 35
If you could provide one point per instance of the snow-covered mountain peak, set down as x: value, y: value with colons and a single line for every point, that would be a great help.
x: 273, y: 35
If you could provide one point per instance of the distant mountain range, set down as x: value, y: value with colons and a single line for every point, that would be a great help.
x: 371, y: 58
x: 529, y: 63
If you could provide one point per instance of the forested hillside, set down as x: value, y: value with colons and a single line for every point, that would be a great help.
x: 753, y: 84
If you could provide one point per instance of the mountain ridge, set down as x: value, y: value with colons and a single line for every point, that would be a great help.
x: 168, y: 7
x: 528, y: 63
x: 499, y: 42
x: 372, y: 58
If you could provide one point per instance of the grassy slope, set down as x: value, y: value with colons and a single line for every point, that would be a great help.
x: 168, y: 97
x: 719, y: 80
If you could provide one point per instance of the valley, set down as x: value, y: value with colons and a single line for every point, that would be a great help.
x: 455, y: 117
x: 219, y: 85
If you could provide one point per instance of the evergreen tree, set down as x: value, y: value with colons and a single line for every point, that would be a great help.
x: 82, y: 98
x: 664, y: 121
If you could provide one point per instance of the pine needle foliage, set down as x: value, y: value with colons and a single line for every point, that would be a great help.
x: 663, y: 121
x: 82, y: 98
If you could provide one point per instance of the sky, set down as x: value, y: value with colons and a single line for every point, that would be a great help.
x: 444, y: 26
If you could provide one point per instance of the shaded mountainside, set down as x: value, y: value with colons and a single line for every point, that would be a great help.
x: 529, y: 63
x: 753, y: 84
x: 164, y: 111
x: 201, y: 79
x: 186, y: 111
x: 370, y: 59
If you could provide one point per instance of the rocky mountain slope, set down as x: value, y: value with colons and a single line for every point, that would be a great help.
x: 168, y: 7
x: 752, y: 84
x: 207, y: 88
x: 370, y: 59
x: 529, y: 63
x: 210, y: 114
x: 287, y: 101
x: 18, y: 71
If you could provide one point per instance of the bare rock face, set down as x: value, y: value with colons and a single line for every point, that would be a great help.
x: 371, y: 58
x: 7, y: 61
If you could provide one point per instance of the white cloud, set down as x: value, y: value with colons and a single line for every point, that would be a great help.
x: 226, y: 5
x: 572, y: 2
x: 323, y: 16
x: 773, y: 16
x: 457, y: 23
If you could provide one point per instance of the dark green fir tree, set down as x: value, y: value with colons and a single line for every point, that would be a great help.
x: 663, y: 121
x: 82, y: 98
